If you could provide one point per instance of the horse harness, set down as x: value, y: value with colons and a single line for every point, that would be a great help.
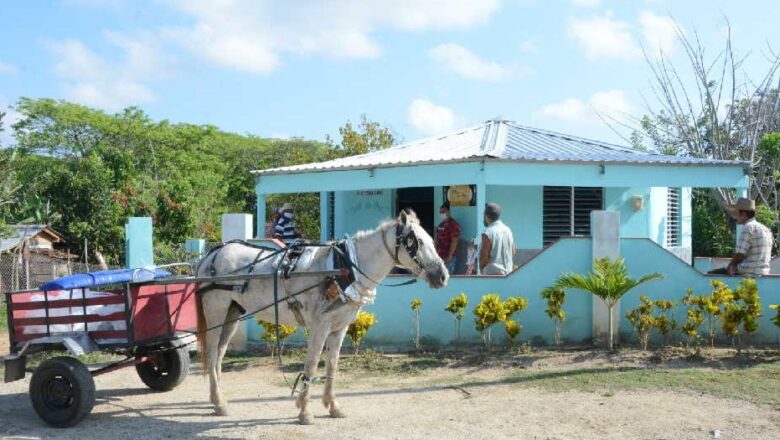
x: 334, y: 286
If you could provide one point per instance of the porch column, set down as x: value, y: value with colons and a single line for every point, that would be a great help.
x: 742, y: 191
x: 324, y: 216
x: 480, y: 213
x: 261, y: 215
x: 605, y: 235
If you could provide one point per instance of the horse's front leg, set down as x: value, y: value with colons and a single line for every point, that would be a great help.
x: 335, y: 339
x: 316, y: 343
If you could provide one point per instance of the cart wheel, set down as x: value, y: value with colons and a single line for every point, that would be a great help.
x: 62, y: 391
x: 165, y: 370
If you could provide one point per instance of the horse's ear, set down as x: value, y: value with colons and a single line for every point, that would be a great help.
x: 403, y: 218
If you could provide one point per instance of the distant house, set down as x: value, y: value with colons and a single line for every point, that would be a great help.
x: 31, y: 254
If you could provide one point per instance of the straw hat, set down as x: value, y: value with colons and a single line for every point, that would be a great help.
x: 286, y: 207
x: 743, y: 204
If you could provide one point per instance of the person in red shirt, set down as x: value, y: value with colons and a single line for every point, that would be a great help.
x: 447, y: 237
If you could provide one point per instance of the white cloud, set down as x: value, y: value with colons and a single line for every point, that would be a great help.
x: 6, y: 68
x: 253, y: 36
x: 467, y: 64
x: 93, y: 80
x: 660, y: 33
x: 429, y: 118
x: 587, y: 3
x: 611, y: 105
x: 604, y: 37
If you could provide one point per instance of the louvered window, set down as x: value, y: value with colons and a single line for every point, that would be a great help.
x: 331, y: 215
x: 567, y: 210
x: 673, y: 217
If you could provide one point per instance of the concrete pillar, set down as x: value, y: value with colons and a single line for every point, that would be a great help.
x: 605, y: 233
x: 139, y: 246
x: 480, y: 213
x: 261, y: 215
x: 741, y: 192
x: 324, y: 216
x: 238, y: 227
x: 195, y: 247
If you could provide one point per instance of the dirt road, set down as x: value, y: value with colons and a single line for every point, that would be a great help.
x: 421, y: 406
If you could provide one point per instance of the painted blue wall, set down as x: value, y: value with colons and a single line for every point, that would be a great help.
x: 139, y: 246
x: 360, y: 210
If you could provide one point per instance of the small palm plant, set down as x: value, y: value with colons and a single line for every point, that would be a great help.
x: 416, y: 303
x: 776, y: 308
x: 609, y: 281
x: 457, y: 307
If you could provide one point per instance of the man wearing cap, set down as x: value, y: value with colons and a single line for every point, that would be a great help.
x: 498, y: 245
x: 754, y: 249
x: 284, y: 228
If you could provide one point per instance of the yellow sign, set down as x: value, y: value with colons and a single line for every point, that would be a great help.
x: 460, y: 195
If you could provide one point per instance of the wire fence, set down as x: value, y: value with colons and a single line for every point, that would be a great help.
x: 20, y: 270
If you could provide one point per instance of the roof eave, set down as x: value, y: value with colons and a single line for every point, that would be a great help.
x: 725, y: 164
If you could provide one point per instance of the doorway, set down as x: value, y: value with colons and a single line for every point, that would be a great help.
x: 420, y: 200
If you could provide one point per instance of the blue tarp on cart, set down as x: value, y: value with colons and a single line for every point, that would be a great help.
x: 104, y: 277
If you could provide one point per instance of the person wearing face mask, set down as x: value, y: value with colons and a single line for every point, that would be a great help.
x: 447, y: 237
x: 284, y: 228
x: 498, y: 245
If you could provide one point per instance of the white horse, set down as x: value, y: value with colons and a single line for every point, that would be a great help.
x: 399, y: 242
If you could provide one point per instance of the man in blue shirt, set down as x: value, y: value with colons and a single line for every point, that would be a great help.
x: 284, y: 228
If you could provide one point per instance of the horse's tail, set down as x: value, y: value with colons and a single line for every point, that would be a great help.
x: 201, y: 335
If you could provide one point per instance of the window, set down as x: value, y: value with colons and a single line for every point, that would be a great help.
x: 566, y: 210
x: 673, y: 217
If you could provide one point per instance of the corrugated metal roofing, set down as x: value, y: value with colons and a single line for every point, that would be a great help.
x: 503, y: 141
x: 19, y: 233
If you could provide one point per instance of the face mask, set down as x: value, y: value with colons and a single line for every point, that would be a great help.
x: 443, y: 216
x: 288, y: 215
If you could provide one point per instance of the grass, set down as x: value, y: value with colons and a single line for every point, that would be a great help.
x: 758, y: 384
x: 3, y: 317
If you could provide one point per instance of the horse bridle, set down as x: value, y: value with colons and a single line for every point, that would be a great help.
x: 409, y: 241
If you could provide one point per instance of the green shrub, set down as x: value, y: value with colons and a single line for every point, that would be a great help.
x: 358, y: 329
x: 457, y: 307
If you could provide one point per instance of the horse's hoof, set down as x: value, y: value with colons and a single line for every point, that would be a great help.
x: 337, y: 413
x: 221, y: 410
x: 306, y: 419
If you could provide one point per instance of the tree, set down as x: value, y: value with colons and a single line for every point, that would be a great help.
x: 716, y: 111
x: 368, y: 136
x: 608, y: 281
x: 456, y: 307
x: 555, y: 297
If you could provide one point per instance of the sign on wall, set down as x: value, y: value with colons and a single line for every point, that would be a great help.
x: 461, y: 195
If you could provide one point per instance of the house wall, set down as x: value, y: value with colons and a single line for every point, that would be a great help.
x: 642, y: 257
x: 522, y: 212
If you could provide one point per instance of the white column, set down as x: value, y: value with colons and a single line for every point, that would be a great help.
x: 238, y: 227
x: 261, y: 215
x: 605, y: 234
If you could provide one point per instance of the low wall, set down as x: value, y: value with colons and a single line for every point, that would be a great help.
x: 642, y: 256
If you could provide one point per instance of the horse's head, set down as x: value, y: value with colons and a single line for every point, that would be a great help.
x: 415, y: 251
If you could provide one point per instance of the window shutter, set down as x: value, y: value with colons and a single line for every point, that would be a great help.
x: 673, y: 217
x: 331, y: 215
x: 567, y: 210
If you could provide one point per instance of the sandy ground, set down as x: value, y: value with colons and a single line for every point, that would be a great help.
x: 392, y: 407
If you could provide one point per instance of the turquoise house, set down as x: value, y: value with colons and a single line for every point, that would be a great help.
x: 548, y: 185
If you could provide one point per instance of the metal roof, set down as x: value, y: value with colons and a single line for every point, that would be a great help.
x: 500, y: 140
x: 21, y: 233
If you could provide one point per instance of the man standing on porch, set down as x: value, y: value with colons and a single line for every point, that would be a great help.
x: 498, y: 245
x: 754, y: 250
x: 284, y: 228
x: 447, y: 237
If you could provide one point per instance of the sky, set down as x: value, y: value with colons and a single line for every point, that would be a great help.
x: 422, y: 67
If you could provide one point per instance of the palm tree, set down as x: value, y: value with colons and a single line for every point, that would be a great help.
x: 608, y: 281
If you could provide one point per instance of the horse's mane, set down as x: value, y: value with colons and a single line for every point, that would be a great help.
x: 411, y: 217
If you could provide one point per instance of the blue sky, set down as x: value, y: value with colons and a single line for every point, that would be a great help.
x: 303, y: 68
